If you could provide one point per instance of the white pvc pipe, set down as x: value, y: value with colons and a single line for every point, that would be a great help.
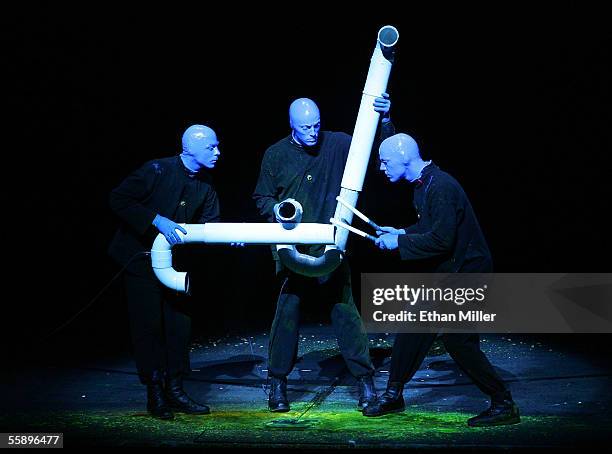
x: 265, y: 233
x: 350, y: 228
x: 345, y: 215
x: 367, y: 118
x: 226, y: 233
x: 365, y: 130
x: 361, y: 146
x: 290, y: 213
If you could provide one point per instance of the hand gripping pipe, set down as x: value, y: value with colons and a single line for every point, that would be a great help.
x: 226, y: 233
x: 356, y: 164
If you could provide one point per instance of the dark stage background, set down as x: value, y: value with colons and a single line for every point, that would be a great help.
x: 515, y: 103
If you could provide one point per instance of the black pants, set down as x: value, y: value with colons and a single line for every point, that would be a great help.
x: 160, y: 327
x: 409, y: 351
x: 334, y: 291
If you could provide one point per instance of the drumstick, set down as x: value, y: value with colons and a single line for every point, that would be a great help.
x: 358, y: 213
x: 341, y: 224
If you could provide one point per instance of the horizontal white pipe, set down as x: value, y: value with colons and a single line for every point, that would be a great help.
x: 226, y: 233
x: 256, y: 233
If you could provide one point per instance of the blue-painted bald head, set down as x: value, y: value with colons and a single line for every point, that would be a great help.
x: 399, y: 157
x: 305, y: 121
x: 200, y: 147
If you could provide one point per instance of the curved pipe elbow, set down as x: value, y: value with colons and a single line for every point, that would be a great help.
x: 309, y: 266
x: 161, y: 261
x: 175, y: 280
x: 289, y: 215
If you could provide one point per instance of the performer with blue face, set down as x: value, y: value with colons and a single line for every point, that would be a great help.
x: 449, y: 237
x: 307, y: 166
x: 155, y: 199
x: 305, y: 119
x: 200, y: 148
x: 305, y: 122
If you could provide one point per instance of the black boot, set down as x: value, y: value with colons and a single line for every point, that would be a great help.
x: 367, y: 391
x: 392, y: 401
x: 501, y: 412
x: 277, y: 400
x: 179, y: 401
x: 156, y: 401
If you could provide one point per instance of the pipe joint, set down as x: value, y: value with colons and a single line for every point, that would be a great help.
x: 289, y: 213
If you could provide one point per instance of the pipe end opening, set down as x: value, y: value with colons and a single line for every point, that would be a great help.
x: 287, y: 211
x: 388, y: 36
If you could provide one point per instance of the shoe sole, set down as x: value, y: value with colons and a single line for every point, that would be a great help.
x: 279, y: 410
x: 399, y: 410
x: 506, y: 422
x: 187, y: 412
x: 361, y: 408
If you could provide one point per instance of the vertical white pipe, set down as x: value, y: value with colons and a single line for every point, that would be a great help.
x: 365, y: 129
x: 367, y: 117
x: 345, y: 215
x: 360, y: 149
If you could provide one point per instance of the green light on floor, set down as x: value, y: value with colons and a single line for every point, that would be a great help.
x: 331, y: 424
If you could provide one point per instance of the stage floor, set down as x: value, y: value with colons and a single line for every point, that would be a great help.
x: 563, y: 394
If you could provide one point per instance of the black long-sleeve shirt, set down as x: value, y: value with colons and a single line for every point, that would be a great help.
x: 447, y: 235
x: 161, y: 186
x: 310, y: 175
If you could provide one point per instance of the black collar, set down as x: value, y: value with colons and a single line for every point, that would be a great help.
x: 190, y: 173
x: 427, y: 170
x: 314, y: 150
